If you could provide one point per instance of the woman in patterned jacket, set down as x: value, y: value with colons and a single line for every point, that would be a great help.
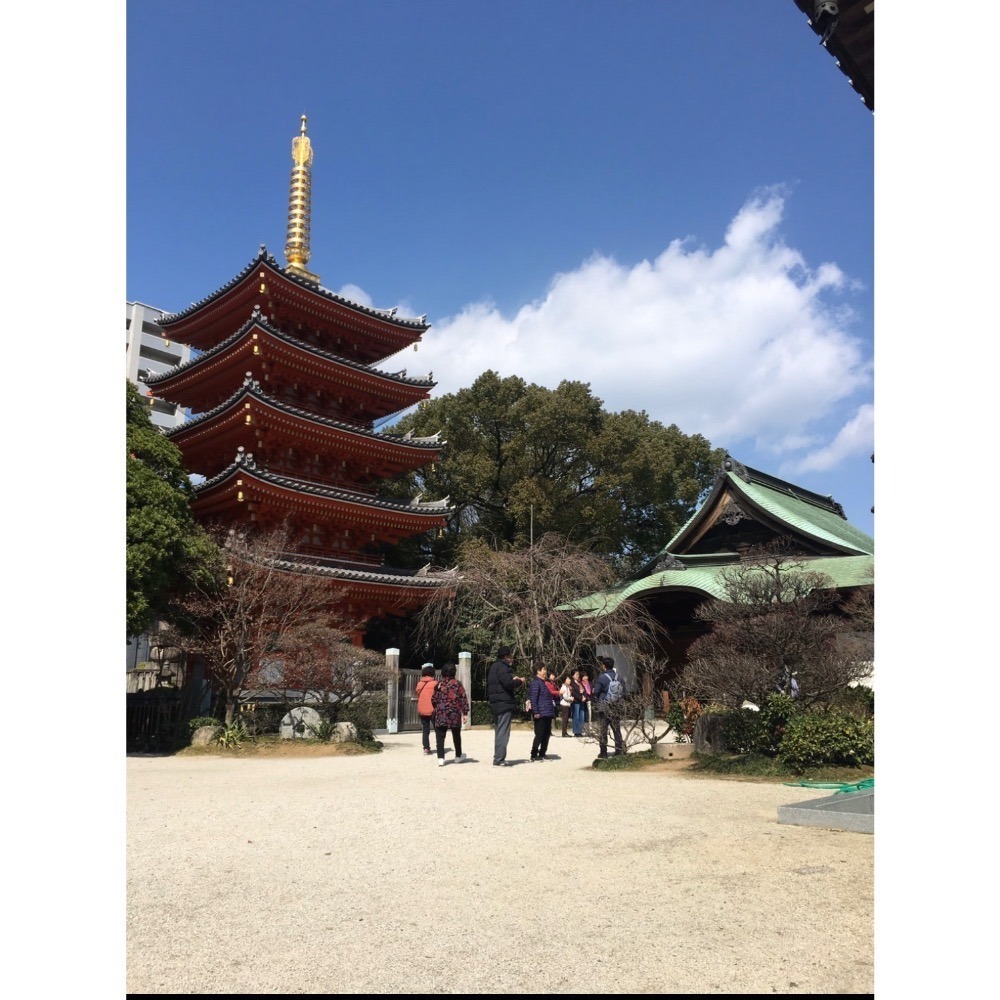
x: 451, y: 709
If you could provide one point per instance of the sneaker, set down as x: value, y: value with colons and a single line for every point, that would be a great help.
x: 500, y: 763
x: 441, y: 762
x: 428, y: 750
x: 462, y: 759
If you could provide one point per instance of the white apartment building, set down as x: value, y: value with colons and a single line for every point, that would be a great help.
x: 147, y: 349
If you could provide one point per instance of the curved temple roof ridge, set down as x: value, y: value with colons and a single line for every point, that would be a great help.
x: 258, y: 319
x: 749, y: 475
x: 251, y: 387
x: 263, y: 256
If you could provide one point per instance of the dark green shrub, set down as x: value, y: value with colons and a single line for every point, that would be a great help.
x: 481, y: 715
x: 742, y: 730
x: 832, y: 738
x: 775, y: 714
x: 858, y: 700
x: 748, y: 731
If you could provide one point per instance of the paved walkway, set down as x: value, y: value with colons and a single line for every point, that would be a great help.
x: 388, y: 874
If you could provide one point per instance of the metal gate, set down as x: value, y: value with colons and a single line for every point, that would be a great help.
x: 152, y: 718
x: 409, y: 720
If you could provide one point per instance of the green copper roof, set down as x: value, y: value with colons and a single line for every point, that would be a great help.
x: 803, y: 513
x: 821, y: 524
x: 843, y: 571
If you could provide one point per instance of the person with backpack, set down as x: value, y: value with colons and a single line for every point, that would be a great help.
x: 609, y: 689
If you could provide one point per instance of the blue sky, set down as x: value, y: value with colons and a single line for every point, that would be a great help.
x: 665, y: 200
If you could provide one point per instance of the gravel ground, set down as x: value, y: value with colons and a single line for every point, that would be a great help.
x: 385, y: 873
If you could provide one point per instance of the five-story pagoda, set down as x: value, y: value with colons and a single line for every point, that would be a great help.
x: 285, y: 393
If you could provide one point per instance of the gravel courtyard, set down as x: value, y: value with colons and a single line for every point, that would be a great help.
x: 385, y: 873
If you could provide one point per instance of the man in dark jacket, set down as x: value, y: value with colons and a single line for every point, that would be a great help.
x: 500, y: 685
x: 607, y: 690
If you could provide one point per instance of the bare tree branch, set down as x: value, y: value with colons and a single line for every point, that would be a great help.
x: 516, y: 598
x: 253, y: 611
x: 783, y: 627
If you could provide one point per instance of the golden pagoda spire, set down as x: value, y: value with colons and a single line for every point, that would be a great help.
x: 297, y: 247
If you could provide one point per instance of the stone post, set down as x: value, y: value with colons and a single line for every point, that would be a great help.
x: 392, y: 691
x: 465, y: 676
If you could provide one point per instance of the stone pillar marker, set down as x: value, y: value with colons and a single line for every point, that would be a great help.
x: 465, y: 676
x: 392, y: 691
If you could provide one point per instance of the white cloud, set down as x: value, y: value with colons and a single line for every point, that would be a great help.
x: 855, y: 437
x: 356, y: 294
x: 740, y: 343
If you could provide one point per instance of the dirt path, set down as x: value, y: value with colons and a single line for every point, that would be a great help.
x: 388, y: 874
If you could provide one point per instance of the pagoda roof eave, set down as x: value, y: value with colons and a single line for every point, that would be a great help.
x: 420, y: 579
x: 251, y: 389
x: 244, y: 465
x: 258, y: 322
x: 264, y: 259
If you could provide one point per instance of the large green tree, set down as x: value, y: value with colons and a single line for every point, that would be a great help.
x: 164, y: 547
x: 522, y: 460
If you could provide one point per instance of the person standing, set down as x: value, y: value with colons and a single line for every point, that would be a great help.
x: 550, y: 683
x: 579, y: 704
x: 588, y: 697
x: 451, y: 709
x: 543, y: 711
x: 608, y: 690
x: 565, y: 702
x: 500, y: 686
x: 425, y: 707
